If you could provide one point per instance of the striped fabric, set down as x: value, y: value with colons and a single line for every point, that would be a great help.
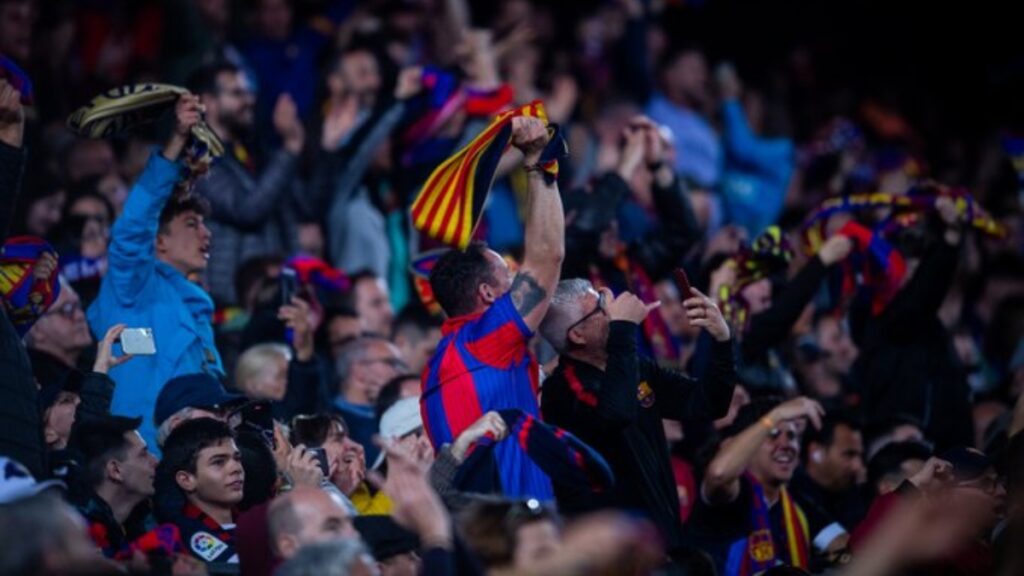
x: 448, y: 207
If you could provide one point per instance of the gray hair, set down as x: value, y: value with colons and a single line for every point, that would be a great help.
x: 334, y: 558
x: 566, y: 309
x: 42, y: 525
x: 167, y: 426
x: 353, y: 352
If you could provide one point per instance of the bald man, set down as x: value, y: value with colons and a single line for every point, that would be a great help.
x: 306, y: 516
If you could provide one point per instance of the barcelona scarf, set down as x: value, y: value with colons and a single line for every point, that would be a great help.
x: 757, y: 552
x: 24, y: 297
x: 18, y: 79
x: 769, y: 254
x: 567, y: 460
x: 448, y: 207
x: 121, y: 109
x: 420, y: 270
x: 874, y: 265
x: 915, y: 201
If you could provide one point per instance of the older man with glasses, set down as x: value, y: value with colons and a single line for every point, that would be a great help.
x: 612, y: 398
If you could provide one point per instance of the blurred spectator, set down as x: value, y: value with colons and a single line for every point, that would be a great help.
x: 370, y: 300
x: 416, y: 333
x: 363, y: 367
x: 306, y: 516
x: 250, y: 200
x: 833, y: 470
x: 895, y: 463
x: 348, y: 557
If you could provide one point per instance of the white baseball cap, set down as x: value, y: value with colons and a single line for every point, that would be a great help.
x: 403, y: 417
x: 17, y: 483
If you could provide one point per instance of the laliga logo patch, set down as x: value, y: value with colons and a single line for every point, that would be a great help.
x: 206, y: 546
x: 645, y: 395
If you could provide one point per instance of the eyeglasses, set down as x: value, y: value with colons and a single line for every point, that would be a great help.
x: 66, y: 310
x: 599, y: 308
x: 790, y: 434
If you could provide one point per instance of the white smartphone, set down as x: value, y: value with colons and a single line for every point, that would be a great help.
x: 138, y: 341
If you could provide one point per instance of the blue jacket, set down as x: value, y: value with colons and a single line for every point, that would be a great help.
x: 143, y: 292
x: 757, y: 172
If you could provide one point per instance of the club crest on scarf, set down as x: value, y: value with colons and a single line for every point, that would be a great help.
x: 25, y: 298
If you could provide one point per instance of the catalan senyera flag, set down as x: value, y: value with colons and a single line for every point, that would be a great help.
x: 449, y: 205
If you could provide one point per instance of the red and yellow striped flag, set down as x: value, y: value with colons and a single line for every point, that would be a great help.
x: 449, y: 205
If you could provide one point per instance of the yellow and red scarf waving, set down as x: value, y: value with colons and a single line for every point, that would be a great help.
x: 448, y: 207
x: 769, y: 254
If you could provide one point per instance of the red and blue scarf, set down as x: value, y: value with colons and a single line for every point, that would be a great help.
x: 758, y: 551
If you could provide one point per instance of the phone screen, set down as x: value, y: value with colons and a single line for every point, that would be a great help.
x: 289, y: 285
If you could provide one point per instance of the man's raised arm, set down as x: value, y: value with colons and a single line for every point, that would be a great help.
x: 535, y: 283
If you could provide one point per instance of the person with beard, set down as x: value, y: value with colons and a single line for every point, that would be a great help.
x: 745, y: 518
x: 250, y: 200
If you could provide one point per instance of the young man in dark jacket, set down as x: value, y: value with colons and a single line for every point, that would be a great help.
x: 613, y: 399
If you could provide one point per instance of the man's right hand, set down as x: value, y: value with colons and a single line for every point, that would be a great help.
x: 629, y: 308
x: 936, y: 473
x: 188, y: 112
x: 801, y: 407
x: 835, y: 249
x: 12, y: 115
x: 530, y: 136
x: 490, y: 423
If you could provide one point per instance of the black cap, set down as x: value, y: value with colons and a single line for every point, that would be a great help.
x: 48, y: 393
x: 968, y: 463
x: 192, y: 391
x: 385, y: 537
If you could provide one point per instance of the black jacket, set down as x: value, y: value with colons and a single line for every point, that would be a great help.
x: 618, y: 411
x: 907, y: 364
x: 21, y: 429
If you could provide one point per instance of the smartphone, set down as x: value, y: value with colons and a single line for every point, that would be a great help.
x: 289, y: 285
x: 321, y: 457
x: 257, y: 416
x: 683, y: 284
x: 138, y: 341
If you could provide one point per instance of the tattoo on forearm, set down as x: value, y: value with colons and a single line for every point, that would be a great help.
x: 526, y: 293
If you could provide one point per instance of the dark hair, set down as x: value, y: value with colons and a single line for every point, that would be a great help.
x: 260, y: 469
x: 826, y: 435
x: 89, y: 188
x: 252, y: 273
x: 180, y: 204
x: 456, y: 276
x: 181, y: 450
x: 203, y: 80
x: 347, y: 299
x: 751, y: 413
x: 890, y: 459
x: 489, y: 525
x: 101, y: 439
x: 314, y: 430
x: 414, y: 318
x: 881, y: 427
x: 391, y: 392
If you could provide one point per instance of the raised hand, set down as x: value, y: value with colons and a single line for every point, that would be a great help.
x: 529, y: 135
x: 703, y: 312
x: 490, y: 423
x: 339, y: 122
x: 415, y: 505
x: 835, y: 249
x: 796, y: 409
x: 410, y: 82
x: 287, y: 123
x: 12, y: 115
x: 188, y: 112
x: 105, y: 359
x: 297, y: 317
x: 629, y: 308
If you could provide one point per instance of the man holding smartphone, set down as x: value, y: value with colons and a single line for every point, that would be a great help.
x: 158, y: 245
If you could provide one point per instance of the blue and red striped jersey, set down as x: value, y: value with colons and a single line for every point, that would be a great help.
x: 481, y: 364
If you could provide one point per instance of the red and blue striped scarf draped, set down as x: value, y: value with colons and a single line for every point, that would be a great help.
x: 757, y: 552
x: 448, y: 207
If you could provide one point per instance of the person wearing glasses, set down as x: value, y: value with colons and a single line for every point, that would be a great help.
x: 745, y: 517
x: 613, y: 398
x: 363, y: 367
